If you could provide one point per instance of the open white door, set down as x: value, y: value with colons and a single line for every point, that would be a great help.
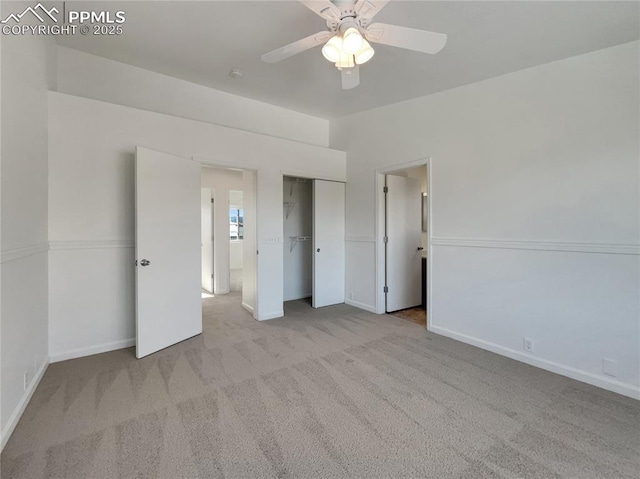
x: 328, y: 243
x: 168, y: 299
x: 404, y: 239
x: 206, y: 213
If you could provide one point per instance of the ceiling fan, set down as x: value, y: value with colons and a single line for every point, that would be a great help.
x: 346, y: 42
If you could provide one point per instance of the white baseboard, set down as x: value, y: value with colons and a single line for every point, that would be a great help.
x: 17, y: 413
x: 609, y: 384
x: 100, y: 348
x: 247, y: 307
x: 265, y: 317
x: 357, y: 304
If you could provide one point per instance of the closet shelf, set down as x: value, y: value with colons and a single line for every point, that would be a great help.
x: 289, y: 205
x: 296, y: 239
x: 293, y: 181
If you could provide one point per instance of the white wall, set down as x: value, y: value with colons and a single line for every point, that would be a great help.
x: 249, y: 244
x: 535, y: 195
x: 235, y: 266
x: 235, y: 247
x: 2, y: 431
x: 90, y: 76
x: 221, y: 181
x: 298, y: 262
x: 26, y: 77
x: 235, y: 198
x: 91, y: 146
x: 235, y: 255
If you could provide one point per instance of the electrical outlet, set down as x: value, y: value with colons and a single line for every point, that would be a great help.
x: 527, y: 345
x: 610, y: 367
x: 26, y: 380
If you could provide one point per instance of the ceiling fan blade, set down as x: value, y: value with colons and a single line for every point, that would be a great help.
x: 405, y: 37
x: 369, y: 8
x: 324, y: 8
x: 350, y: 77
x: 296, y: 47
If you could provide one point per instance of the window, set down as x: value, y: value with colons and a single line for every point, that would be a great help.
x: 236, y: 224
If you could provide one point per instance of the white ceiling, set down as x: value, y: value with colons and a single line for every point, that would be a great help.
x: 202, y: 41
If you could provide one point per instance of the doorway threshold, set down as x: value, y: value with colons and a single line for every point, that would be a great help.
x: 416, y: 315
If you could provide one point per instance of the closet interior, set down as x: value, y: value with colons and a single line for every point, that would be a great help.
x: 298, y: 245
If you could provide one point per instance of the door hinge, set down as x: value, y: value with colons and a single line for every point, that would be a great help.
x: 385, y: 189
x: 385, y: 239
x: 211, y: 200
x: 211, y: 275
x: 386, y: 289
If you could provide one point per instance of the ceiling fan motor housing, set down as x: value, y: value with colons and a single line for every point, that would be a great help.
x: 348, y: 17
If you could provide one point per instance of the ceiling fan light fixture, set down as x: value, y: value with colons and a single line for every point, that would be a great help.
x: 345, y: 61
x: 352, y: 41
x: 365, y: 54
x: 333, y: 49
x: 343, y: 42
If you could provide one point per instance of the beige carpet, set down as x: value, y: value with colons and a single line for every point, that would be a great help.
x: 327, y: 393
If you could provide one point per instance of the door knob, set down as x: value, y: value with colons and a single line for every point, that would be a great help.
x: 145, y: 262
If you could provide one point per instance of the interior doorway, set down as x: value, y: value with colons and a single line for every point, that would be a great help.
x: 172, y: 204
x: 228, y: 233
x: 206, y: 241
x: 314, y: 240
x: 405, y: 242
x: 236, y: 239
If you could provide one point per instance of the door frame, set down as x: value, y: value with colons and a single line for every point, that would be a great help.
x: 240, y: 167
x: 312, y: 177
x: 213, y: 246
x: 380, y: 213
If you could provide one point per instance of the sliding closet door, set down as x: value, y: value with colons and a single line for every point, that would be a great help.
x: 328, y: 243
